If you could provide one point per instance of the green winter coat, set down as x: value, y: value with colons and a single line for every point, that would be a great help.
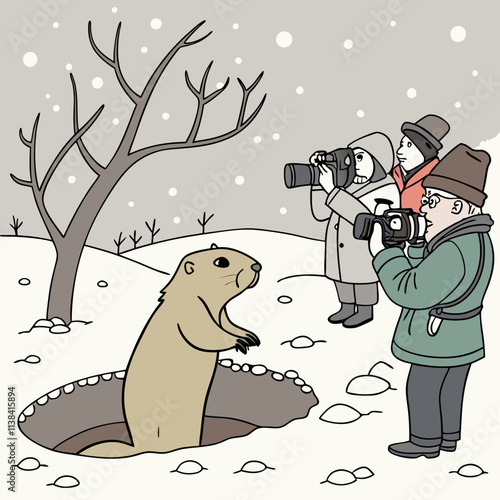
x: 420, y: 282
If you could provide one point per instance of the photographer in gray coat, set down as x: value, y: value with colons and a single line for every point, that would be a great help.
x: 348, y: 261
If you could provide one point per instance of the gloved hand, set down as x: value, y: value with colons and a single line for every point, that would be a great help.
x: 394, y: 244
x: 326, y: 178
x: 378, y: 243
x: 317, y: 158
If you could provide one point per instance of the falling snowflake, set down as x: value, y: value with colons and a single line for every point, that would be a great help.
x: 458, y: 34
x: 156, y: 23
x: 284, y: 39
x: 97, y: 82
x: 30, y: 59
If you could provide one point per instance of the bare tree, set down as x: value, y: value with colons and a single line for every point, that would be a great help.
x: 16, y: 225
x: 152, y: 230
x: 69, y: 244
x: 204, y: 222
x: 135, y: 239
x: 119, y: 243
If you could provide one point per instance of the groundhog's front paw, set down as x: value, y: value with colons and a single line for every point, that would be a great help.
x: 251, y: 337
x: 241, y: 345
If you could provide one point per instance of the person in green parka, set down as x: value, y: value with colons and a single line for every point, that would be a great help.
x: 440, y: 285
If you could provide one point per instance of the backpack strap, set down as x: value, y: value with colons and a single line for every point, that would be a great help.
x: 437, y: 312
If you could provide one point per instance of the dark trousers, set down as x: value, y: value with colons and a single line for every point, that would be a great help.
x: 435, y: 396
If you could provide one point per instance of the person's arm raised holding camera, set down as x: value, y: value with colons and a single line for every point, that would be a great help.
x: 346, y: 182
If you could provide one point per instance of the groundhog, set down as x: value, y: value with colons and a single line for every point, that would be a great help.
x: 172, y: 366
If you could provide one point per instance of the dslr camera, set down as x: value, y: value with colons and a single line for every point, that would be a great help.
x: 399, y: 225
x: 340, y: 161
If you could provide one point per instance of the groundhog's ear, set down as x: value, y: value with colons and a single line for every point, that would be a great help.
x: 189, y: 267
x: 214, y: 246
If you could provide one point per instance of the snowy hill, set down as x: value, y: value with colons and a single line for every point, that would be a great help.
x: 298, y: 456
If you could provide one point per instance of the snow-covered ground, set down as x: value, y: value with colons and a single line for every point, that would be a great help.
x: 300, y: 456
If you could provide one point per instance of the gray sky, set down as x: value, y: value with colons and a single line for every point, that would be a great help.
x: 348, y: 68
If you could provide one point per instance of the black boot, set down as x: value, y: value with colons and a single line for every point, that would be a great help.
x: 346, y: 311
x: 409, y: 450
x: 363, y: 316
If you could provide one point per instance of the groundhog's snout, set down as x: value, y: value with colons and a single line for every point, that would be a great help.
x: 256, y: 267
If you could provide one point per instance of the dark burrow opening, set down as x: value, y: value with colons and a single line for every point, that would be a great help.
x: 241, y: 400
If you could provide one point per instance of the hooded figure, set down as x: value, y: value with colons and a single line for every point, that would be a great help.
x: 348, y: 261
x: 418, y: 156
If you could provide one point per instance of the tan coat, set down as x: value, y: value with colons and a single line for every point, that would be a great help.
x: 346, y: 258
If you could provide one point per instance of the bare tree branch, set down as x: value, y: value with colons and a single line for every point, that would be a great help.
x: 246, y: 93
x: 241, y: 125
x: 204, y: 222
x: 152, y: 229
x: 202, y: 100
x: 64, y: 150
x: 194, y: 42
x: 119, y: 243
x: 32, y: 147
x: 183, y: 42
x: 215, y: 93
x: 23, y: 139
x: 139, y: 110
x: 98, y: 51
x: 38, y: 193
x: 91, y: 161
x: 16, y: 225
x: 21, y: 182
x: 135, y: 239
x: 115, y: 62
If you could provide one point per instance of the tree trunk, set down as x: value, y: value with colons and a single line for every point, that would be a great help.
x: 69, y: 249
x: 63, y: 282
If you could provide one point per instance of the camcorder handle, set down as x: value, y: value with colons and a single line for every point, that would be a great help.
x: 382, y: 201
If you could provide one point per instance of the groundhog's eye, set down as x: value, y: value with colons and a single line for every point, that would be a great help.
x: 221, y: 262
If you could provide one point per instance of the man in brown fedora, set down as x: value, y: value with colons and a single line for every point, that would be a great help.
x: 418, y: 156
x: 440, y: 286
